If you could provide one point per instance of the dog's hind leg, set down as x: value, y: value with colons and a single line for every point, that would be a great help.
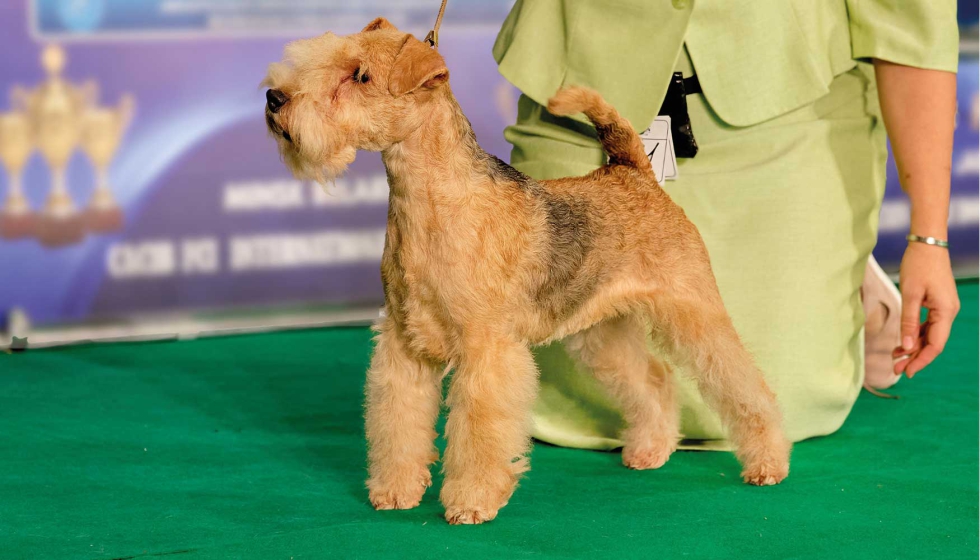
x: 616, y: 351
x: 488, y: 429
x: 700, y: 336
x: 401, y: 407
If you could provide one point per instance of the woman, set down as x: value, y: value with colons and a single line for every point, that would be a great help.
x: 786, y: 186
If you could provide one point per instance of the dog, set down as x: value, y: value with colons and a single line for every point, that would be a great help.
x: 481, y: 263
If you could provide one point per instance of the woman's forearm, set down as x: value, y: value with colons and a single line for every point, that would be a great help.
x: 919, y: 109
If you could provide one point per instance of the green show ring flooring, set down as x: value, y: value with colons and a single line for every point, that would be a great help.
x: 252, y: 447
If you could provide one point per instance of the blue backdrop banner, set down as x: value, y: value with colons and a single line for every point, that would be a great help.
x: 165, y: 191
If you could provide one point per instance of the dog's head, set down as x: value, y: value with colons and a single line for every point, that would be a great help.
x: 332, y: 96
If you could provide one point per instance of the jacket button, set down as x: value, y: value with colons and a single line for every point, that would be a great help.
x: 680, y: 4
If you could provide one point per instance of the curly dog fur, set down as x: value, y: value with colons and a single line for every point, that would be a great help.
x: 482, y: 262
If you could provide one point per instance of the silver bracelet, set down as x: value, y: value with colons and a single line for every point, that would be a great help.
x: 928, y: 240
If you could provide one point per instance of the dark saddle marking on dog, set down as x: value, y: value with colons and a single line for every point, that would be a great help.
x: 571, y: 239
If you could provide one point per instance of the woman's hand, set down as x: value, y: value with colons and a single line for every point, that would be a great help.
x: 919, y: 110
x: 926, y: 280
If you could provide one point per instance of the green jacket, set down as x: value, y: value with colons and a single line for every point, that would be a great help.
x: 756, y: 59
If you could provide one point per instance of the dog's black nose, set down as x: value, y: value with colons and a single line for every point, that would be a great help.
x: 275, y: 99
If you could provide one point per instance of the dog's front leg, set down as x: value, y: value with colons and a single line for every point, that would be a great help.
x: 402, y: 404
x: 488, y: 429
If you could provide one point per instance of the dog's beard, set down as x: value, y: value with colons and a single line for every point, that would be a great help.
x: 323, y: 169
x: 310, y: 155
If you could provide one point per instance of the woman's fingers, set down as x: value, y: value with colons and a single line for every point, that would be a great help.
x: 921, y: 360
x: 899, y: 366
x: 903, y: 357
x: 917, y: 344
x: 939, y: 323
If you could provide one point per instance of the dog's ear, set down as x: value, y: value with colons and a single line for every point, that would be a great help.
x: 378, y: 23
x: 416, y: 66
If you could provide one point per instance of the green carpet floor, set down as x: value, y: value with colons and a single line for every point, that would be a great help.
x: 252, y: 447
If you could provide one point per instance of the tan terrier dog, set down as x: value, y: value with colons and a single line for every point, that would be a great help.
x: 482, y: 262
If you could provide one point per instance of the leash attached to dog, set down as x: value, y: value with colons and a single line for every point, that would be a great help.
x: 433, y: 37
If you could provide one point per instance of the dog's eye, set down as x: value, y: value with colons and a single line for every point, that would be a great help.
x: 361, y: 77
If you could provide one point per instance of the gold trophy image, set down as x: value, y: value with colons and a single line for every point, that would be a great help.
x: 56, y: 108
x: 16, y: 146
x: 102, y: 131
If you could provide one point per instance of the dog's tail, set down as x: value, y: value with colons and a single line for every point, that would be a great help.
x: 616, y: 134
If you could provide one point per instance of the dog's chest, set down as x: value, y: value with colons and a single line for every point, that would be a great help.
x: 412, y: 293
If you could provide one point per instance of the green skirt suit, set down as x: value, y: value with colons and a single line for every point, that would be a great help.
x: 785, y: 189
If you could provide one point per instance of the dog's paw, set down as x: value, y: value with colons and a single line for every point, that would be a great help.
x: 391, y: 500
x: 766, y: 474
x: 404, y: 496
x: 647, y: 456
x: 767, y: 466
x: 469, y: 515
x: 478, y: 496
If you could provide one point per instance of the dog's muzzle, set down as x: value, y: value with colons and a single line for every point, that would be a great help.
x: 275, y: 99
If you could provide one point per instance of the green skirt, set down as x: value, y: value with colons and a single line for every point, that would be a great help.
x: 788, y: 209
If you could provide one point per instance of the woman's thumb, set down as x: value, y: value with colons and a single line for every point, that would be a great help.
x: 911, y: 309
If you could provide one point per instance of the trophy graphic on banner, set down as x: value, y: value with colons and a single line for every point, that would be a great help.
x: 16, y: 146
x: 56, y: 108
x: 102, y: 130
x: 62, y: 117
